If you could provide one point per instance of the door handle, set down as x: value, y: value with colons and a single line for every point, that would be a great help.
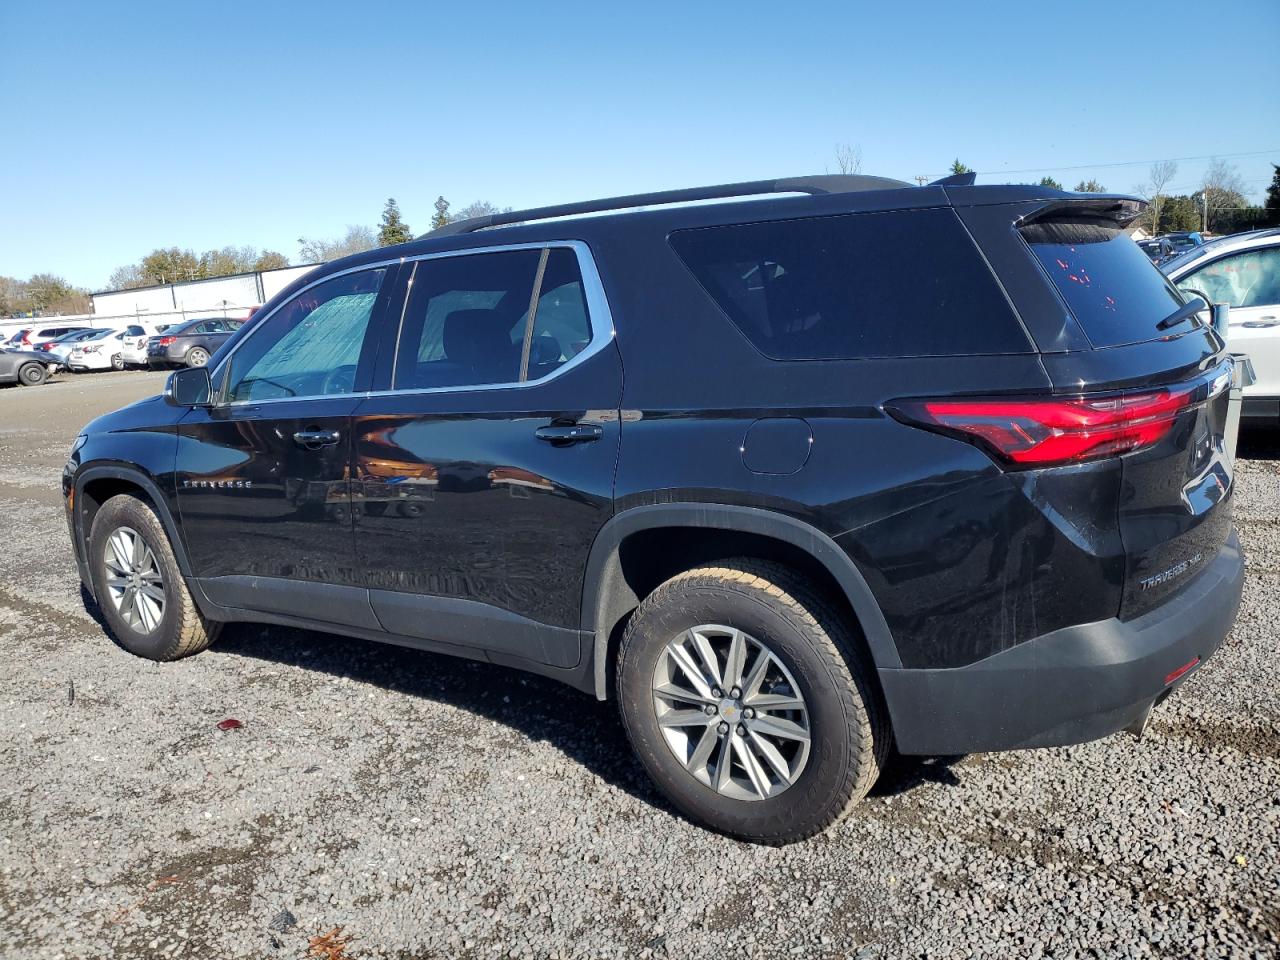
x: 315, y: 439
x: 1261, y: 322
x: 570, y: 433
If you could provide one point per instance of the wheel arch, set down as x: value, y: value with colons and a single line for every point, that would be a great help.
x: 96, y: 484
x: 609, y: 597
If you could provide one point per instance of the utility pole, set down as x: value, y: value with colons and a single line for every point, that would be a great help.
x: 921, y: 179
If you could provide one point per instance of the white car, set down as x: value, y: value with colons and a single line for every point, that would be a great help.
x: 60, y: 348
x: 105, y: 350
x: 1242, y: 270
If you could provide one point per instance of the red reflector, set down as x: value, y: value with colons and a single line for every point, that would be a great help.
x: 1038, y: 432
x: 1180, y: 671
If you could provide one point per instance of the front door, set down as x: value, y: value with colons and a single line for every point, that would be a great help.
x: 485, y: 468
x: 1250, y: 282
x: 263, y: 474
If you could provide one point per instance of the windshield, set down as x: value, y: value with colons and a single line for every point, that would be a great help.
x: 101, y: 335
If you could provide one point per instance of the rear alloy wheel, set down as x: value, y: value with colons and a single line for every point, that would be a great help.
x: 197, y: 357
x: 32, y: 374
x: 117, y: 362
x: 139, y: 586
x: 750, y: 703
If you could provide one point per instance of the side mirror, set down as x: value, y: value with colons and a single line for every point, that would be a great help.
x: 189, y: 387
x: 1219, y: 314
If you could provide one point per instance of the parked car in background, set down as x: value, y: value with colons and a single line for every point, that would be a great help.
x: 133, y: 347
x: 39, y: 333
x: 58, y: 349
x: 883, y: 470
x: 190, y: 344
x: 1158, y: 249
x: 104, y: 351
x: 1184, y: 240
x: 1242, y: 270
x: 25, y: 367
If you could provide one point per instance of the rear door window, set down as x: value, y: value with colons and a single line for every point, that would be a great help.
x: 900, y: 284
x: 1116, y: 293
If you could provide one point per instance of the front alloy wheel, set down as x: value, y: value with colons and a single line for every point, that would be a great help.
x: 135, y: 584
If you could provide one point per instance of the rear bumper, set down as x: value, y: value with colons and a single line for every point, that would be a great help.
x: 1069, y: 686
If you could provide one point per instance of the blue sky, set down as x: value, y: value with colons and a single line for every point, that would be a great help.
x: 137, y: 125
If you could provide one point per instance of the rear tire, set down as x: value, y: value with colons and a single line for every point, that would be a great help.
x: 197, y: 357
x: 818, y: 666
x: 117, y: 362
x: 139, y: 586
x: 32, y: 375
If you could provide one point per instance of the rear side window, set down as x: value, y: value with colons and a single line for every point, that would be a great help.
x: 904, y: 284
x: 1116, y: 293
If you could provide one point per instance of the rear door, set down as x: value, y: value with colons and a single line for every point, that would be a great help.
x: 484, y: 466
x: 1174, y: 511
x: 263, y: 474
x: 1249, y: 280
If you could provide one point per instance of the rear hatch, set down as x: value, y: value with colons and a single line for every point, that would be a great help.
x: 1176, y: 485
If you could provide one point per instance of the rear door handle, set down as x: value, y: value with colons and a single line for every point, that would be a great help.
x: 570, y: 433
x: 1261, y: 322
x: 315, y: 439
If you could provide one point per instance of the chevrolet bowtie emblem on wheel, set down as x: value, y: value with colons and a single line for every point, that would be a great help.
x: 218, y: 484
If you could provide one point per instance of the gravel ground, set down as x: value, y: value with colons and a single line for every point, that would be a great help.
x: 438, y: 808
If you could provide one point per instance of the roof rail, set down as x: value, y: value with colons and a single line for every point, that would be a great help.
x: 824, y: 184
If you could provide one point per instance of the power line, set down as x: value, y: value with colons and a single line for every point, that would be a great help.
x: 1127, y: 163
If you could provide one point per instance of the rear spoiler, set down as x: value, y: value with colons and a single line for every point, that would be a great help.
x: 1121, y: 210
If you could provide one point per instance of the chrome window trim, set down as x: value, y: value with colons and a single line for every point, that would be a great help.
x: 598, y: 316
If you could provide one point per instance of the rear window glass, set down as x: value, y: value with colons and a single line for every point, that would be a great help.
x: 906, y: 284
x: 1116, y: 293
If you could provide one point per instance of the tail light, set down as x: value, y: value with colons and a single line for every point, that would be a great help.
x: 1052, y: 431
x: 165, y: 341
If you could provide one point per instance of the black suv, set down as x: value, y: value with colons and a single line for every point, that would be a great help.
x: 190, y: 344
x: 793, y: 478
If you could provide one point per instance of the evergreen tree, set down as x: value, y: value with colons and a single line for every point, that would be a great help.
x: 441, y: 216
x: 393, y: 230
x: 1273, y: 198
x: 1049, y: 182
x: 958, y: 167
x: 1090, y: 186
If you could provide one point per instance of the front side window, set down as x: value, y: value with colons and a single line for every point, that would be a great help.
x: 1250, y: 278
x: 310, y: 346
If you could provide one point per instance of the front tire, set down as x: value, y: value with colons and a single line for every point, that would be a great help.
x: 749, y: 704
x: 139, y: 586
x: 32, y: 375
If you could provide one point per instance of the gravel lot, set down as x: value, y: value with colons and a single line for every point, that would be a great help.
x: 438, y: 808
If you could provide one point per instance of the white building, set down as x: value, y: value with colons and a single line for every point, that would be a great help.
x: 232, y: 296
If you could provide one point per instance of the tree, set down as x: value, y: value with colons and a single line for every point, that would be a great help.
x: 1273, y: 198
x: 849, y: 158
x: 1153, y: 190
x: 270, y: 260
x: 1178, y: 213
x: 1049, y: 182
x: 128, y: 277
x: 1220, y: 189
x: 226, y: 262
x: 1090, y: 186
x: 441, y: 216
x: 478, y: 208
x: 357, y: 239
x: 393, y: 230
x: 169, y: 265
x: 958, y: 167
